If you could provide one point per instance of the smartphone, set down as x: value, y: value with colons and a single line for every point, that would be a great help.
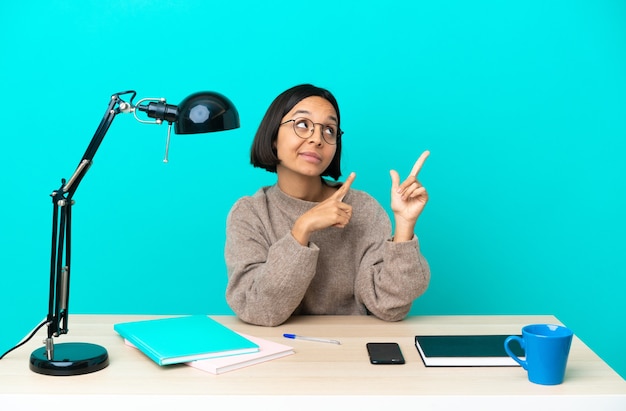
x: 385, y: 353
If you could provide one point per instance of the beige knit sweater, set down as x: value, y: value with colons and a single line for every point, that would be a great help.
x: 343, y: 271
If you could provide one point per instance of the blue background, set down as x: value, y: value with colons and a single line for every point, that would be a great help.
x: 522, y: 104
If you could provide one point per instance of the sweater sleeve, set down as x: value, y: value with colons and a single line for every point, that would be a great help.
x: 266, y: 280
x: 391, y: 275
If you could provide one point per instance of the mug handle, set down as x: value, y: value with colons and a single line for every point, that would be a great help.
x: 508, y: 350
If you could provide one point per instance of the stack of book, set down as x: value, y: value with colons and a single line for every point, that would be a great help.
x: 198, y: 341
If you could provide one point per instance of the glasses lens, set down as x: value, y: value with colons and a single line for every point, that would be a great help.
x: 303, y: 127
x: 330, y: 134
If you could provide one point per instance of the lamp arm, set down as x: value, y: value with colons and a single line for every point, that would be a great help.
x: 116, y: 106
x: 57, y: 319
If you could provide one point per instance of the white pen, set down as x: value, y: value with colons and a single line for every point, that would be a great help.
x: 300, y: 337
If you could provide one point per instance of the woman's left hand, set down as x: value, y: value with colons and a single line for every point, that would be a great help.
x: 409, y: 198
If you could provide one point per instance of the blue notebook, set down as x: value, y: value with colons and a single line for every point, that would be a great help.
x: 182, y: 339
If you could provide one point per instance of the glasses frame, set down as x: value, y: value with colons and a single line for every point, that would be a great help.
x: 295, y: 130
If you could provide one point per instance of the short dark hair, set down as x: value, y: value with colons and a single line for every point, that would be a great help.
x: 263, y: 153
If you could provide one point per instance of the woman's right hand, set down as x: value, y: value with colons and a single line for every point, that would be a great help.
x: 332, y: 212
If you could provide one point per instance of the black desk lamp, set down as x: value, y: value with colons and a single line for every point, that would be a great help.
x: 199, y: 113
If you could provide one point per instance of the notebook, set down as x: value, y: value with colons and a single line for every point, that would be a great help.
x: 268, y: 350
x: 182, y: 339
x: 466, y: 350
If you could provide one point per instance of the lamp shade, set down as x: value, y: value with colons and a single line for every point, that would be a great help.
x: 205, y: 112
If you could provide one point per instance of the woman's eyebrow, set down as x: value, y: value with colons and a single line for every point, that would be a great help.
x: 302, y: 112
x: 309, y: 113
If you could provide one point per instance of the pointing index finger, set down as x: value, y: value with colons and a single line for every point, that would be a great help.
x: 343, y: 190
x: 419, y: 163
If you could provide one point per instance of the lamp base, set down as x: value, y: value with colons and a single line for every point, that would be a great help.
x: 70, y: 359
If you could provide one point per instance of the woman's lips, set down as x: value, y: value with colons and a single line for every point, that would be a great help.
x: 311, y: 157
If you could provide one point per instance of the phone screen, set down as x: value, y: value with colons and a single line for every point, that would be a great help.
x: 385, y: 353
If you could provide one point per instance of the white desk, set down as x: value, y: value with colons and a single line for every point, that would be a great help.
x: 318, y: 375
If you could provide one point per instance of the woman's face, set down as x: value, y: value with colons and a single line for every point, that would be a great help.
x: 307, y: 156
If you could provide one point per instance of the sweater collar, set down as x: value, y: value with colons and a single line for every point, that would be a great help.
x: 296, y: 205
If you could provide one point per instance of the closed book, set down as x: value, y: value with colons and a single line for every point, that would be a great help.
x: 466, y: 350
x: 268, y: 350
x: 182, y: 339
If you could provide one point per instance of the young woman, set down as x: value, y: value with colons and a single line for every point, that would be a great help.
x: 309, y: 246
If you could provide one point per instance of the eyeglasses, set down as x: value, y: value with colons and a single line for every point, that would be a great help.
x: 304, y: 128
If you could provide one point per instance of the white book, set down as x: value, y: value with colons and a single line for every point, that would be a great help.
x: 268, y: 350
